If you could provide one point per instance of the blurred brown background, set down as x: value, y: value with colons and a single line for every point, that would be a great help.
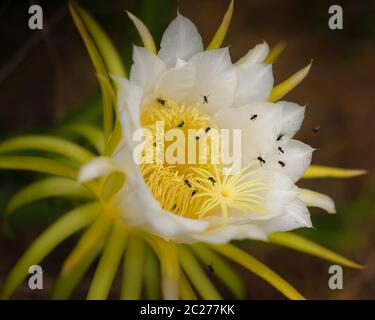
x: 46, y: 78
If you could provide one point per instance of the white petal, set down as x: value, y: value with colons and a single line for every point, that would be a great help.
x: 296, y: 216
x: 281, y: 193
x: 254, y: 83
x: 291, y: 118
x: 232, y: 232
x: 316, y: 199
x: 176, y: 83
x: 97, y: 167
x: 146, y: 69
x: 180, y: 40
x: 215, y: 80
x: 256, y: 54
x: 257, y: 122
x: 293, y: 161
x: 129, y: 99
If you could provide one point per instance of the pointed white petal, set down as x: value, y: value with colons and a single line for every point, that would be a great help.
x: 257, y: 122
x: 316, y: 199
x: 129, y: 98
x: 281, y: 192
x: 147, y: 68
x: 256, y: 54
x: 232, y: 232
x: 180, y: 40
x: 293, y: 161
x: 215, y: 79
x: 254, y: 83
x: 176, y: 83
x: 292, y: 117
x: 296, y: 216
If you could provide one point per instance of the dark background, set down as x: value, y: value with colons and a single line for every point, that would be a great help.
x: 46, y: 79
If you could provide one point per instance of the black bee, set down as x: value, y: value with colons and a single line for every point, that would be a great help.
x: 280, y: 149
x: 162, y: 101
x: 280, y: 136
x: 196, y: 137
x: 207, y: 129
x: 282, y: 164
x: 181, y: 124
x: 210, y: 268
x: 187, y: 183
x: 194, y: 193
x: 316, y: 129
x: 205, y: 99
x: 261, y: 160
x: 253, y: 117
x: 154, y: 144
x: 174, y: 207
x: 212, y: 180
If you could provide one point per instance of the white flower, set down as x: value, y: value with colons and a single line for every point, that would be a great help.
x: 191, y: 88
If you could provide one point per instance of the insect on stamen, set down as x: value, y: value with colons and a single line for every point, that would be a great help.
x: 161, y: 101
x: 187, y: 183
x: 205, y: 99
x: 181, y: 124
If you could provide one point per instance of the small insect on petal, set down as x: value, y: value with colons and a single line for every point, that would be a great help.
x: 261, y: 160
x: 281, y: 163
x: 280, y: 136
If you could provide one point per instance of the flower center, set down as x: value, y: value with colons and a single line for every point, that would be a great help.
x: 193, y: 185
x: 173, y: 183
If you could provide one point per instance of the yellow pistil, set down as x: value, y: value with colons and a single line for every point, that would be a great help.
x: 241, y: 191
